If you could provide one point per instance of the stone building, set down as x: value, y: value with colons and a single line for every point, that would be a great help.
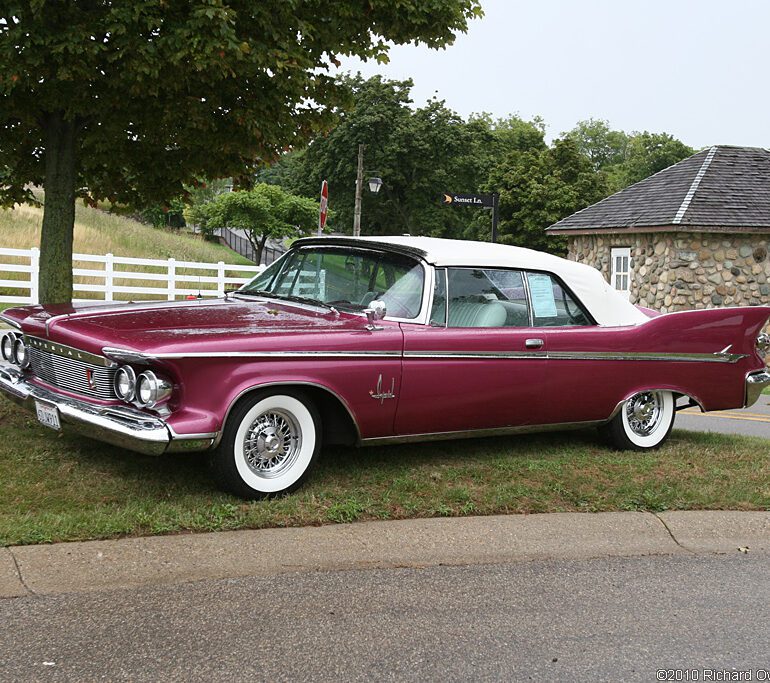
x: 694, y: 235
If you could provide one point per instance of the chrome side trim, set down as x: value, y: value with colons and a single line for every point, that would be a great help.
x: 129, y: 356
x: 126, y: 355
x: 257, y: 387
x: 476, y: 433
x: 659, y: 356
x: 10, y: 321
x: 477, y: 355
x: 580, y: 355
x: 183, y: 437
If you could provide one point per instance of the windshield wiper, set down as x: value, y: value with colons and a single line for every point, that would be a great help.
x: 287, y: 297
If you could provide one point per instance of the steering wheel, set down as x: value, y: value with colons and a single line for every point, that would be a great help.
x: 571, y: 309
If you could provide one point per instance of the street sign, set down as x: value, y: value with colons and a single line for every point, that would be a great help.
x: 480, y: 201
x: 324, y: 206
x: 477, y: 200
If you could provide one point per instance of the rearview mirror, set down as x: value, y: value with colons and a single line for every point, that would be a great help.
x: 376, y: 311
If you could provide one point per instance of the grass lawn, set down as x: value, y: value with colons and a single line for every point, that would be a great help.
x: 99, y: 232
x: 58, y: 487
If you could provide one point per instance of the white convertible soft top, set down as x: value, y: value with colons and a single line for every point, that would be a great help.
x: 606, y: 305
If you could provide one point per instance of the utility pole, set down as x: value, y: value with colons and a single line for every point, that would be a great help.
x: 359, y: 191
x: 495, y: 204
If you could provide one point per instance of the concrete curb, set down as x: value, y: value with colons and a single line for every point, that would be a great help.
x: 133, y: 562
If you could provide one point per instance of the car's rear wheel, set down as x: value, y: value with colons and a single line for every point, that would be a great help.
x: 644, y: 421
x: 269, y: 444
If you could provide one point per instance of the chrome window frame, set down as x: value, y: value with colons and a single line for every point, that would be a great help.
x: 524, y: 272
x: 434, y: 270
x: 446, y: 270
x: 427, y: 286
x: 565, y: 287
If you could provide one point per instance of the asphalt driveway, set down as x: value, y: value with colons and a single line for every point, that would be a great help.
x: 753, y: 421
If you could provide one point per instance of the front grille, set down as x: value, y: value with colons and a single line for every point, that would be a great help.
x: 73, y: 375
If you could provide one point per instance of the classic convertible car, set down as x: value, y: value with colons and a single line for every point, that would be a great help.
x: 375, y: 341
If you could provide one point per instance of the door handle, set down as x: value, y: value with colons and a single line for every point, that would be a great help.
x: 534, y: 343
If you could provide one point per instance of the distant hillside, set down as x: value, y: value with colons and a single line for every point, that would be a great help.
x: 98, y: 232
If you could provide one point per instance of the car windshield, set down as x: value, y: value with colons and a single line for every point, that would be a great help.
x: 349, y: 279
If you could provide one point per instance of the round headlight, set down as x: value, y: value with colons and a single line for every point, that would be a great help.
x: 20, y: 353
x: 151, y: 389
x: 125, y: 383
x: 144, y: 391
x: 6, y: 345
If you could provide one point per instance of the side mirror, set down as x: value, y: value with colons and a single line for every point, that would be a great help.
x: 376, y: 311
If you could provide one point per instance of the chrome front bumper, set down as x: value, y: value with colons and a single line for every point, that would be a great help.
x: 120, y: 426
x: 755, y: 383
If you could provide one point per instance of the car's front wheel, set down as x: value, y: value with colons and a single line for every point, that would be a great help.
x: 269, y: 443
x: 644, y: 421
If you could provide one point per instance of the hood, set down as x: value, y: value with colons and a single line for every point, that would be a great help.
x: 181, y: 325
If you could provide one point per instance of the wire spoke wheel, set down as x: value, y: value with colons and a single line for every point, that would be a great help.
x: 644, y: 411
x: 269, y: 443
x: 643, y: 422
x: 272, y: 443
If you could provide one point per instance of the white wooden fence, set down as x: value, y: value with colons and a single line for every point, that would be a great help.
x: 117, y: 277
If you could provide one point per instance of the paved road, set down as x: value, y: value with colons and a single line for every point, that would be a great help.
x: 753, y: 421
x: 579, y: 620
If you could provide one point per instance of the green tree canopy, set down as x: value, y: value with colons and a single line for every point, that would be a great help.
x: 649, y: 153
x: 539, y: 187
x: 602, y: 146
x: 264, y: 212
x: 626, y: 158
x: 419, y: 154
x: 130, y: 101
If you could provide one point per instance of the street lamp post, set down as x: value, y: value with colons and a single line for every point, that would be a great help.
x: 374, y: 187
x: 359, y: 189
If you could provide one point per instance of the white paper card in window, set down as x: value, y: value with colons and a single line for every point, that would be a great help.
x: 541, y: 291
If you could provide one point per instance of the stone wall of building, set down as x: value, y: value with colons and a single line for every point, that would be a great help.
x: 679, y: 271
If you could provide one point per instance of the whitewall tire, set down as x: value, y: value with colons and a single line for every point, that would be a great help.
x: 644, y: 421
x: 269, y: 444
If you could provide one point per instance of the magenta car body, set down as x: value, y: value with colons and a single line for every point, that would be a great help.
x: 374, y: 341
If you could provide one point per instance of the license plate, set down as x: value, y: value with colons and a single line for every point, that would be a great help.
x: 48, y: 415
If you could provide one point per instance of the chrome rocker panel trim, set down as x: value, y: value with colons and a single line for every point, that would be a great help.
x: 119, y: 426
x: 480, y: 433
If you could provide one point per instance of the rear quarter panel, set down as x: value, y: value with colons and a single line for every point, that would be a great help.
x: 590, y: 388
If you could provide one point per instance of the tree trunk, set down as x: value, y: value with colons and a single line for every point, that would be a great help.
x: 262, y: 243
x: 258, y: 243
x: 58, y: 211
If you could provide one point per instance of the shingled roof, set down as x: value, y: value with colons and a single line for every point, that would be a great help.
x: 721, y: 188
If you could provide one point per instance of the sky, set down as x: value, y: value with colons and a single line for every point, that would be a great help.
x: 697, y: 69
